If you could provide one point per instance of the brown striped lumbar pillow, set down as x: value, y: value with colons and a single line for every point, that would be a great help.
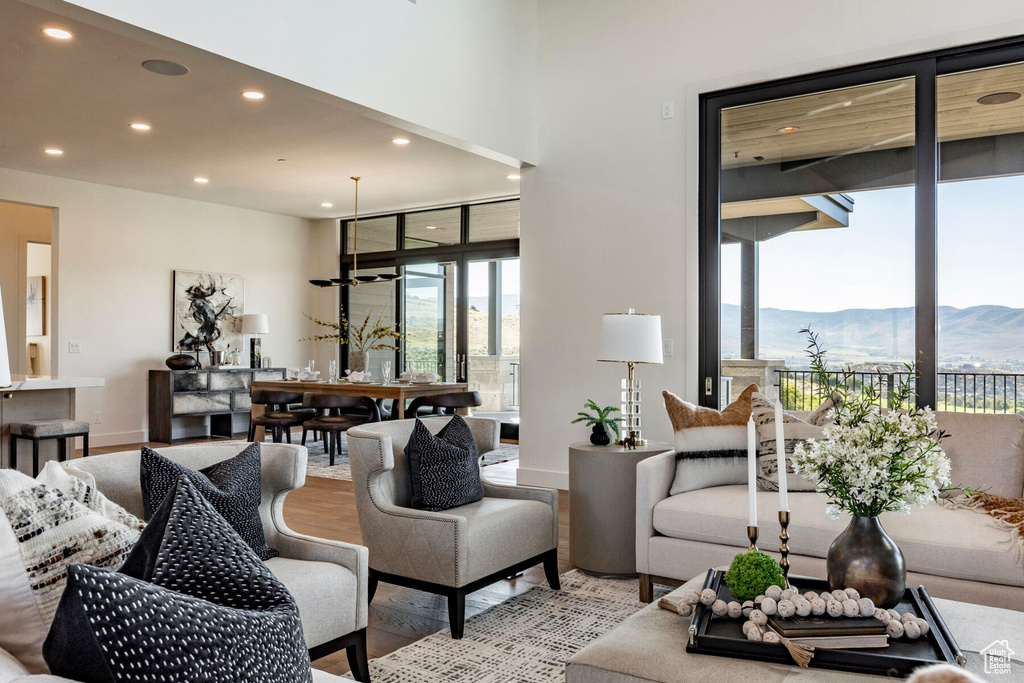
x: 711, y: 446
x: 795, y: 431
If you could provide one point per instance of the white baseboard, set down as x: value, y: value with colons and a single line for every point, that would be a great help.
x: 544, y: 478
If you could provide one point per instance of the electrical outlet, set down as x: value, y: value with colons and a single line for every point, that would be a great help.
x: 666, y: 348
x: 666, y: 110
x: 97, y: 417
x: 74, y: 347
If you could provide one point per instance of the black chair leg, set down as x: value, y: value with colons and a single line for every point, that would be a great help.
x: 304, y: 432
x: 357, y: 658
x: 551, y: 568
x: 288, y: 432
x: 371, y: 589
x: 35, y: 457
x: 457, y: 613
x: 85, y: 445
x: 252, y: 432
x: 62, y: 450
x: 277, y: 435
x: 14, y: 452
x: 333, y: 439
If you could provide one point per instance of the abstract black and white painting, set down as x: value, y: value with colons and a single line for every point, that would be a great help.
x: 207, y: 310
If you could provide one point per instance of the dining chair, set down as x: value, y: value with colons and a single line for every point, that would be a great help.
x: 278, y: 418
x: 443, y: 404
x: 342, y: 412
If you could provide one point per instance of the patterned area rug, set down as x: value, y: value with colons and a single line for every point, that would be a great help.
x: 319, y: 462
x: 526, y: 639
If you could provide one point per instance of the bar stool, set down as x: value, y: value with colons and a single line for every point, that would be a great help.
x: 45, y: 430
x: 343, y: 412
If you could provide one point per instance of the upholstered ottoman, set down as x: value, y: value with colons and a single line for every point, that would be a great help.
x: 650, y: 646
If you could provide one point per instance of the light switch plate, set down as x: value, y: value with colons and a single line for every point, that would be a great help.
x: 666, y: 347
x: 74, y: 347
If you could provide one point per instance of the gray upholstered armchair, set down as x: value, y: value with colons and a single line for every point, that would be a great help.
x: 328, y: 579
x: 457, y: 551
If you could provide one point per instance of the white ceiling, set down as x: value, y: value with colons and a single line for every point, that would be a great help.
x: 80, y: 95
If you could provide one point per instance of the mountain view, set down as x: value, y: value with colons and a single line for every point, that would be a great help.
x: 974, y: 338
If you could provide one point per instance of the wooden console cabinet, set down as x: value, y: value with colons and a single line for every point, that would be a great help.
x: 217, y: 393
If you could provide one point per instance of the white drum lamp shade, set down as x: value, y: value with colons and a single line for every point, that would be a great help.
x: 255, y: 323
x: 5, y: 361
x: 631, y: 338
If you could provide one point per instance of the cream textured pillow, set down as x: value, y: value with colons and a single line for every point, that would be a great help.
x: 47, y: 524
x: 711, y: 446
x: 795, y: 431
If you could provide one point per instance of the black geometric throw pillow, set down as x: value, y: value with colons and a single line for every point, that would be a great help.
x: 191, y: 603
x: 444, y: 469
x: 232, y: 487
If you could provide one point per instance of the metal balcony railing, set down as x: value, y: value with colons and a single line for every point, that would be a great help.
x: 971, y: 392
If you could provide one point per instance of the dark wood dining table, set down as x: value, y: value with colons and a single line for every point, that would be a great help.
x: 399, y: 391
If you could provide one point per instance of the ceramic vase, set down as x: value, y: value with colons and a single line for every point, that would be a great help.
x: 865, y: 557
x: 357, y: 361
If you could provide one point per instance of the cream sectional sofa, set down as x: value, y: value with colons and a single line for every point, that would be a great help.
x: 958, y: 554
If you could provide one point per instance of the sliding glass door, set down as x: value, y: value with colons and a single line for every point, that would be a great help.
x: 877, y: 205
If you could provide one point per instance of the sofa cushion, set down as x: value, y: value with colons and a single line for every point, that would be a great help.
x: 985, y: 450
x: 46, y: 524
x: 323, y: 591
x: 711, y: 446
x: 232, y: 486
x: 796, y: 430
x: 444, y: 468
x: 961, y: 544
x: 191, y: 602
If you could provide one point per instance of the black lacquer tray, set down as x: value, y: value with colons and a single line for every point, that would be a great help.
x: 721, y: 636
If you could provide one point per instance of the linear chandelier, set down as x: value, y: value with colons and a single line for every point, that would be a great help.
x: 356, y: 278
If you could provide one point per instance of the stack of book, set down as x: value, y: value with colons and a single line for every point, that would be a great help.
x: 831, y: 634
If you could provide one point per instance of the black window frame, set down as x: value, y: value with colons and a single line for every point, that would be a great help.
x: 925, y: 68
x: 461, y: 254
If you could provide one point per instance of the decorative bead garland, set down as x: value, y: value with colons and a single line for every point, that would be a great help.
x: 789, y: 602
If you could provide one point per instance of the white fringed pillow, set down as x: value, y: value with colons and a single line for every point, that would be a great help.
x: 47, y: 524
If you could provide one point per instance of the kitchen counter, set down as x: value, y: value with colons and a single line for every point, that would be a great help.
x: 41, y: 382
x: 40, y: 397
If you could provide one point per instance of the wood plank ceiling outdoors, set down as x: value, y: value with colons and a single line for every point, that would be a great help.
x: 869, y: 117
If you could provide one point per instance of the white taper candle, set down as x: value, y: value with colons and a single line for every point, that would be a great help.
x: 752, y: 472
x: 780, y: 454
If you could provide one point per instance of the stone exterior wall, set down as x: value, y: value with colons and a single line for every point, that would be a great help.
x: 492, y: 377
x: 761, y: 372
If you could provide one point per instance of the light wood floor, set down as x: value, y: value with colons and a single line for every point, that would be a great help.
x: 398, y: 616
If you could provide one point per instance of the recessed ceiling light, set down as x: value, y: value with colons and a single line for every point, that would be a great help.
x: 201, y: 180
x: 58, y: 33
x: 252, y: 95
x: 431, y: 227
x: 164, y: 67
x: 140, y: 126
x: 788, y: 129
x: 400, y: 141
x: 53, y: 151
x: 513, y: 176
x: 999, y: 98
x: 326, y: 205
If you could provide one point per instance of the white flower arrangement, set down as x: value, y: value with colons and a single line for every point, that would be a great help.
x: 869, y: 461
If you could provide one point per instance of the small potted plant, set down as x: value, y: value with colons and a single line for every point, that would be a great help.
x: 603, y: 426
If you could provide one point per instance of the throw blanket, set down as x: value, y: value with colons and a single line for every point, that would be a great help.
x: 1008, y: 513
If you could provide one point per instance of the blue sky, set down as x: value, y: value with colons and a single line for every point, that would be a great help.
x: 870, y: 263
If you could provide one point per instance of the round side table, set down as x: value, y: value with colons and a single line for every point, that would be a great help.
x: 602, y: 506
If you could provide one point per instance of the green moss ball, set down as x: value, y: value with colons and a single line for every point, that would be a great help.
x: 751, y: 573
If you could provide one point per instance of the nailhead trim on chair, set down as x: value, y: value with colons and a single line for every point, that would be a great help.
x: 369, y: 492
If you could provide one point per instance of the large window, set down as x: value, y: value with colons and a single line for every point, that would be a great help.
x: 458, y: 301
x: 877, y: 205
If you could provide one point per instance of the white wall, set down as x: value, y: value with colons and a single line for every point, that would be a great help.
x: 19, y: 225
x: 464, y: 68
x: 609, y: 215
x: 117, y: 250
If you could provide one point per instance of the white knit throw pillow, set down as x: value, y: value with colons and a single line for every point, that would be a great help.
x: 46, y: 524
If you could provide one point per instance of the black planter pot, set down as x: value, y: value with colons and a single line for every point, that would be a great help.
x: 866, y: 558
x: 599, y: 436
